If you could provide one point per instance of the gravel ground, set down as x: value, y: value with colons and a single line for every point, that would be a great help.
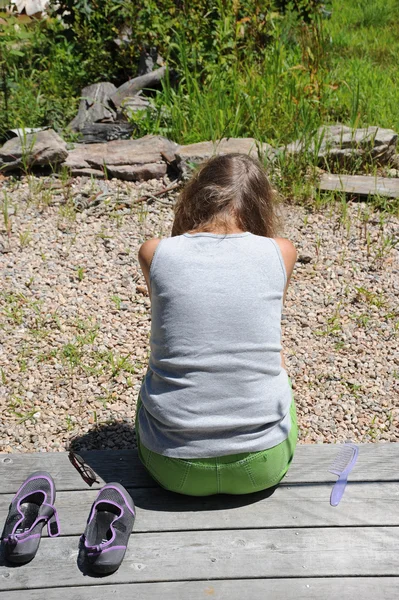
x: 75, y: 319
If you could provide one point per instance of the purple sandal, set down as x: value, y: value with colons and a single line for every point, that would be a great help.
x: 108, y: 528
x: 31, y: 508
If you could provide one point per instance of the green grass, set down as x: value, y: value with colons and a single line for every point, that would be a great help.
x: 340, y: 69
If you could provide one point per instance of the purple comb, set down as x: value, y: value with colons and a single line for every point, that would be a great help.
x: 342, y: 466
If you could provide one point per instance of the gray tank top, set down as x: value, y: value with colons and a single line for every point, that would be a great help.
x: 215, y: 385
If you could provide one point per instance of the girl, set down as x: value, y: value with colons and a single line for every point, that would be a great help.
x: 216, y: 412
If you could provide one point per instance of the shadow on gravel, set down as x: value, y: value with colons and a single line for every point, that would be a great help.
x: 107, y: 436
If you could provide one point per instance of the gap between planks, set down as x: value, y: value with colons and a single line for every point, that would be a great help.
x: 367, y: 504
x: 331, y: 588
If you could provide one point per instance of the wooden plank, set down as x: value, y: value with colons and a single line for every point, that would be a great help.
x: 363, y: 504
x: 360, y: 185
x: 345, y: 588
x: 376, y: 462
x: 123, y: 466
x: 240, y: 554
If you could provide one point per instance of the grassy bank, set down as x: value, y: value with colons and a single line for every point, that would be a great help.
x: 342, y: 68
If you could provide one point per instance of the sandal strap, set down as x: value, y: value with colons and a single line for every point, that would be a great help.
x: 92, y: 550
x: 48, y: 514
x: 53, y: 524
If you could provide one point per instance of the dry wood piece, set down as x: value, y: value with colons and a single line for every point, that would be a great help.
x: 94, y: 106
x: 360, y: 185
x: 154, y: 195
x: 131, y: 87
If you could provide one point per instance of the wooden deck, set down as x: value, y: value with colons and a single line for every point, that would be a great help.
x: 288, y: 545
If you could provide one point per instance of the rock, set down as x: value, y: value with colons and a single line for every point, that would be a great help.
x: 148, y: 149
x: 132, y: 160
x: 88, y: 172
x: 95, y: 133
x: 138, y: 172
x: 338, y: 144
x: 198, y: 153
x: 305, y: 258
x: 95, y: 106
x: 40, y: 149
x: 21, y: 131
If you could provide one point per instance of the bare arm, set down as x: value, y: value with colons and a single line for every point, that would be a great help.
x: 146, y: 254
x: 289, y: 255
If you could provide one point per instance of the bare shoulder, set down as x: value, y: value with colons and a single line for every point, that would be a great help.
x: 147, y: 250
x: 286, y: 247
x: 288, y: 252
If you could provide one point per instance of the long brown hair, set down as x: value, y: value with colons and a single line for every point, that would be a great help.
x: 225, y: 187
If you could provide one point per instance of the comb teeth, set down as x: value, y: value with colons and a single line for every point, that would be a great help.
x: 343, y: 460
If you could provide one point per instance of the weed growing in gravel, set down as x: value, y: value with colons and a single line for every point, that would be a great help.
x: 88, y: 337
x: 25, y: 238
x: 363, y: 294
x: 318, y: 244
x: 16, y: 406
x: 55, y: 319
x: 361, y: 320
x: 29, y: 282
x: 342, y: 259
x: 354, y: 388
x: 80, y: 272
x: 387, y: 244
x: 13, y: 309
x: 373, y: 430
x: 105, y: 399
x: 27, y: 151
x: 38, y: 192
x: 40, y: 333
x: 67, y: 211
x: 345, y: 219
x: 5, y: 209
x: 103, y: 235
x: 142, y: 212
x: 117, y: 301
x: 120, y: 363
x: 47, y: 356
x: 333, y: 325
x: 22, y: 356
x: 71, y: 355
x: 118, y: 218
x: 69, y: 423
x: 339, y: 345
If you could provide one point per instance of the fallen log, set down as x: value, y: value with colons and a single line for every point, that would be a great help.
x: 131, y: 87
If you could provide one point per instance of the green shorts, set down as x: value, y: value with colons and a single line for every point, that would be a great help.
x: 232, y: 474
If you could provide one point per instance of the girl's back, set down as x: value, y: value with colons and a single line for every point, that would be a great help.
x: 215, y: 384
